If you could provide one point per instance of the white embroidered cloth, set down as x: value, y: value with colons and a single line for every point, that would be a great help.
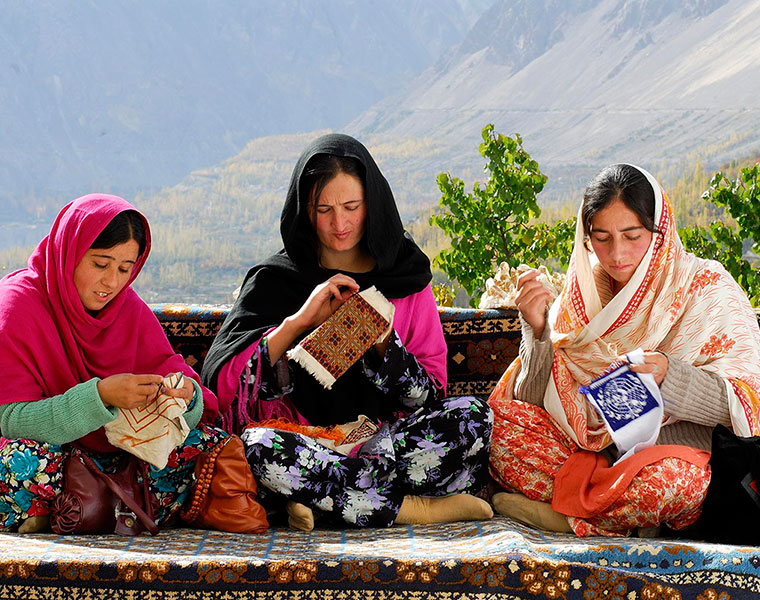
x: 630, y: 405
x: 152, y: 432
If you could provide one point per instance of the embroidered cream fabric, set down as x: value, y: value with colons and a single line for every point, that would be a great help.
x: 152, y: 432
x: 501, y: 289
x: 356, y: 432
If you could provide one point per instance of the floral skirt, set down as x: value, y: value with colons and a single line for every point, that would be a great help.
x: 31, y: 475
x: 440, y: 449
x: 528, y: 450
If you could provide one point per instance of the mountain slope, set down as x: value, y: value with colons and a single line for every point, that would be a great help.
x: 588, y: 82
x: 125, y: 95
x: 585, y: 82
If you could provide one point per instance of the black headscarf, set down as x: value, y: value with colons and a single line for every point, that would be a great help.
x: 278, y: 286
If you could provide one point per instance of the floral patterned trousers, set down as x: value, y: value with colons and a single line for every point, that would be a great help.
x: 31, y: 475
x: 528, y: 450
x: 440, y: 449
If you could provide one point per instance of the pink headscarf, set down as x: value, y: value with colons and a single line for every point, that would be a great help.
x: 50, y: 343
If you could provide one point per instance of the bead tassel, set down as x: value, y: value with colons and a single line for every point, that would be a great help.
x: 203, y: 483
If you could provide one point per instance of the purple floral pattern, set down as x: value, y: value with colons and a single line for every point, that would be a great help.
x: 440, y: 449
x: 397, y: 374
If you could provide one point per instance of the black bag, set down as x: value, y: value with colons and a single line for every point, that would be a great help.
x: 731, y: 510
x: 96, y: 502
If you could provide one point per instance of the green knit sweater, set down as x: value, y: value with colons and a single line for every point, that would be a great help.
x: 71, y: 415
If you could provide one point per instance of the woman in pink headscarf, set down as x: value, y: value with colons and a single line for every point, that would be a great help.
x: 78, y: 344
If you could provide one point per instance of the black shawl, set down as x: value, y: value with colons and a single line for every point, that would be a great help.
x: 278, y: 286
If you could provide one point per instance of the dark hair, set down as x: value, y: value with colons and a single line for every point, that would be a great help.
x: 125, y: 226
x: 623, y: 182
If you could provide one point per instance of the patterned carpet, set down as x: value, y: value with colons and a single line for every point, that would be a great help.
x: 481, y: 343
x: 495, y: 559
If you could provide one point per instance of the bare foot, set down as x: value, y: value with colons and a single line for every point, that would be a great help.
x: 459, y: 507
x: 531, y: 512
x: 300, y: 516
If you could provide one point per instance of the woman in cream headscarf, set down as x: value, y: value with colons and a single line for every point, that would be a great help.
x: 630, y: 285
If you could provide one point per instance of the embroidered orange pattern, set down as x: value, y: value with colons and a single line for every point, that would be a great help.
x: 530, y: 450
x: 745, y: 401
x: 574, y: 317
x: 675, y: 308
x: 703, y: 279
x: 717, y: 346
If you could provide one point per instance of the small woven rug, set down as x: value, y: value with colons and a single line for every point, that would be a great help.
x: 331, y: 349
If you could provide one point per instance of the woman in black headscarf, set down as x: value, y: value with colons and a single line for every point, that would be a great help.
x: 342, y: 233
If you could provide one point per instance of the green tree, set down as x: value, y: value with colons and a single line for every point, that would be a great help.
x: 741, y: 199
x: 491, y: 224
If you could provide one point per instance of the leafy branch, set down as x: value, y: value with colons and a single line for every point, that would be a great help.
x: 491, y: 224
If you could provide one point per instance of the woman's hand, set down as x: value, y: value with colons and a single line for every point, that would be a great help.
x: 127, y: 390
x: 655, y: 363
x: 532, y: 299
x: 381, y: 345
x: 324, y: 300
x: 184, y: 392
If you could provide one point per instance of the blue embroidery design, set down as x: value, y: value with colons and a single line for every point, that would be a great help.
x: 620, y: 396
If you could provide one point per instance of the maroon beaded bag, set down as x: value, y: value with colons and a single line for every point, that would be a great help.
x: 96, y: 502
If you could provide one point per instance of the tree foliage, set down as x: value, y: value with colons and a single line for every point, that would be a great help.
x: 492, y: 224
x: 741, y: 199
x: 496, y: 222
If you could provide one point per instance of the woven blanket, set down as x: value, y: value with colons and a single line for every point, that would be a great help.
x: 329, y: 350
x: 488, y: 560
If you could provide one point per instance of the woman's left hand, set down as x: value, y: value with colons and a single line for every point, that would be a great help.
x: 184, y: 393
x: 655, y: 363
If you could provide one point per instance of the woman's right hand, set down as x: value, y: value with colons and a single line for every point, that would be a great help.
x: 324, y: 300
x: 532, y: 299
x: 127, y: 390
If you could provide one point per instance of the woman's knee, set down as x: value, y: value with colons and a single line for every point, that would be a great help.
x: 467, y: 416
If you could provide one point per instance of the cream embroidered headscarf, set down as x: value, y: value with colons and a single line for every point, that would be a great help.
x: 684, y: 306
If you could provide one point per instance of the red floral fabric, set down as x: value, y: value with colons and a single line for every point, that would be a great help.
x: 528, y: 450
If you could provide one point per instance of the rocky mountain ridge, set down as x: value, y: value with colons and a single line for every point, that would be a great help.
x: 590, y: 82
x: 123, y: 96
